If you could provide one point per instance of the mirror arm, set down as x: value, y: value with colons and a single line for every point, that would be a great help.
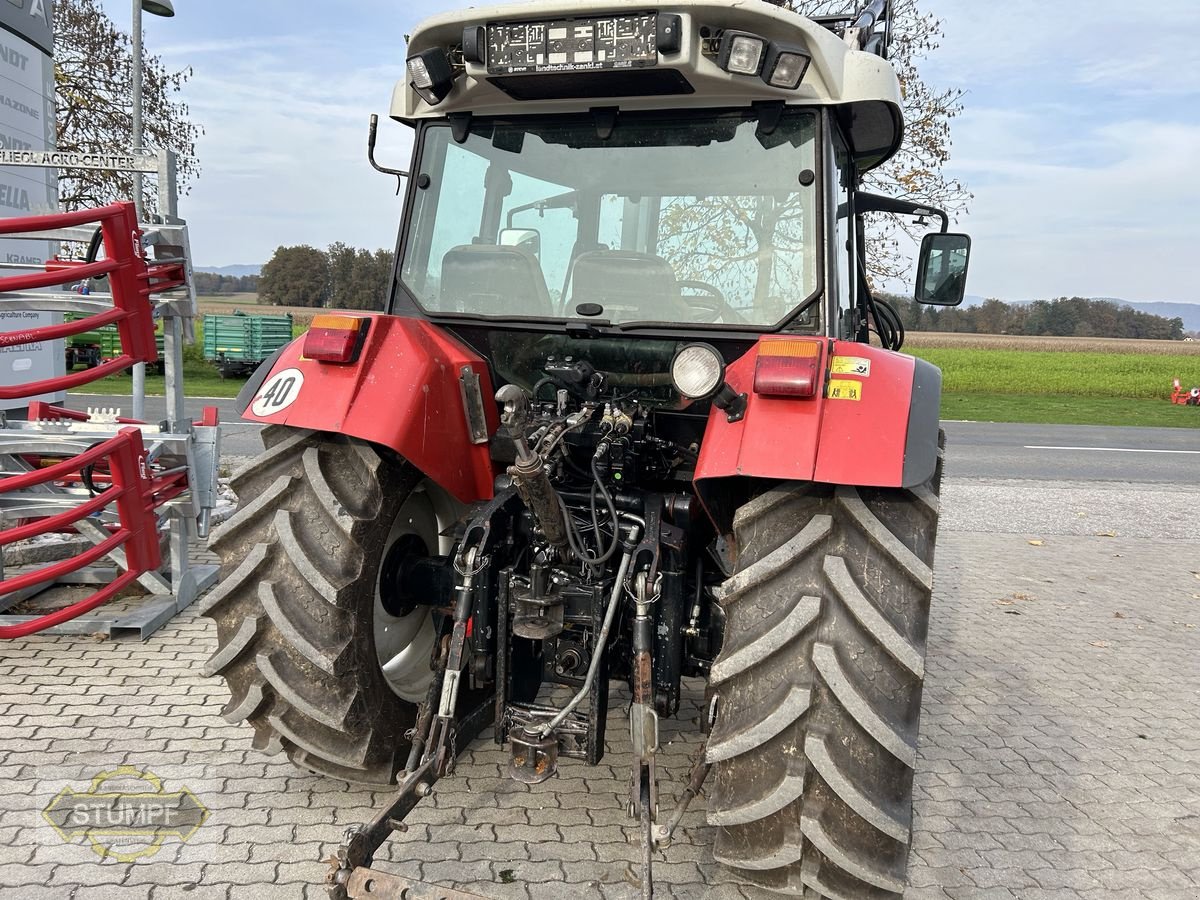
x: 400, y: 175
x: 864, y: 202
x: 562, y: 201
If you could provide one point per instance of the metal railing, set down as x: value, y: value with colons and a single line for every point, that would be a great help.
x: 115, y: 482
x: 132, y: 282
x: 136, y: 532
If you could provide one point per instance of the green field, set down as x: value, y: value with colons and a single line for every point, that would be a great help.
x: 1137, y: 376
x: 1063, y: 409
x: 1069, y: 388
x: 197, y: 383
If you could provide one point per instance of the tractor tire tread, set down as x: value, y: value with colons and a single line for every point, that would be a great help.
x: 294, y: 607
x: 829, y: 602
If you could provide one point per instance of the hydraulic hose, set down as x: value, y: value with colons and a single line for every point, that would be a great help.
x: 612, y: 511
x: 614, y: 601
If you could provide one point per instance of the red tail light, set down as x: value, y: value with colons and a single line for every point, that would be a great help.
x: 788, y: 368
x: 335, y: 339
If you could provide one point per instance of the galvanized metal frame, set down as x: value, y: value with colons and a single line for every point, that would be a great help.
x: 179, y: 495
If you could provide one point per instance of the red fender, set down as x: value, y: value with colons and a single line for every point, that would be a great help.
x: 873, y: 423
x: 403, y: 392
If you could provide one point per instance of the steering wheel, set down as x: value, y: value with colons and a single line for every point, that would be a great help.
x: 715, y: 302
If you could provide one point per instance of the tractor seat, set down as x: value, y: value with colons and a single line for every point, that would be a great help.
x: 628, y: 285
x: 492, y: 280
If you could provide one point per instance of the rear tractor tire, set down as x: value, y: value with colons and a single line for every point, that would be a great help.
x: 312, y: 659
x: 819, y: 689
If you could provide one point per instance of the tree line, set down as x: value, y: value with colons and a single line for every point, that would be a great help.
x: 1064, y: 317
x: 212, y: 284
x: 340, y: 277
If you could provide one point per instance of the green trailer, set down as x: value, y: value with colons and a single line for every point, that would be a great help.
x: 237, y: 343
x: 88, y: 349
x: 91, y: 348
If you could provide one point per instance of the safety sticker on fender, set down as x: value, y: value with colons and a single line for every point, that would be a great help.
x: 844, y: 389
x: 851, y: 365
x: 278, y: 393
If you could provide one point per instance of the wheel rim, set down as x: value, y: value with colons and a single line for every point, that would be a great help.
x: 404, y: 644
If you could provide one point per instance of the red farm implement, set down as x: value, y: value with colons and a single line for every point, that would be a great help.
x: 109, y: 491
x: 1182, y: 397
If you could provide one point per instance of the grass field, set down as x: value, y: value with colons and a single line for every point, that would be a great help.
x: 1061, y: 409
x: 1135, y: 376
x: 1069, y: 381
x: 920, y: 340
x: 203, y: 383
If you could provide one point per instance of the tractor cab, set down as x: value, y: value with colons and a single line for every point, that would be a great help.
x: 641, y: 172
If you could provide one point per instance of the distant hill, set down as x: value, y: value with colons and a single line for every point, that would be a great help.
x: 235, y: 271
x: 1189, y: 312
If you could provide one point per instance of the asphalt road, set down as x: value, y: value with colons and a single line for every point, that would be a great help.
x: 1073, y: 452
x: 975, y: 450
x: 238, y: 438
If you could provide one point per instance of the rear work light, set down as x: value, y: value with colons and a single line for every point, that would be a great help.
x: 788, y: 368
x: 335, y: 339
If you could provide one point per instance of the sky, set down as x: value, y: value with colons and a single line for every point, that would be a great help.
x: 1079, y: 137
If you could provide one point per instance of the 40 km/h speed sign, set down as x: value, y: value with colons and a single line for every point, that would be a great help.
x: 278, y: 393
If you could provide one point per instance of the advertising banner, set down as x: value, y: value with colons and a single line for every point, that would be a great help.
x: 27, y: 125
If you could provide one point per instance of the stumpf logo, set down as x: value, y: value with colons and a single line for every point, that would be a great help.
x: 125, y: 814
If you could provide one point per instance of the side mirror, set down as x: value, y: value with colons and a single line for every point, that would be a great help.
x: 526, y: 238
x: 942, y: 272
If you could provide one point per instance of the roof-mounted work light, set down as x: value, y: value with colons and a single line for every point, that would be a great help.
x: 785, y: 66
x: 741, y: 53
x: 430, y: 75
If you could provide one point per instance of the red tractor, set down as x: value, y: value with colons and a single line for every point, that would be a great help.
x: 1180, y: 397
x: 622, y: 421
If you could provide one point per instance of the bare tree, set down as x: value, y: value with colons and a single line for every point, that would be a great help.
x: 92, y: 76
x: 917, y: 172
x: 736, y: 241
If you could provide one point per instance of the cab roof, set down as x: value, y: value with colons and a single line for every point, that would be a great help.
x: 861, y: 87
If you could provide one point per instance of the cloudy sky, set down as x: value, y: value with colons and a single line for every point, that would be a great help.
x: 1080, y: 137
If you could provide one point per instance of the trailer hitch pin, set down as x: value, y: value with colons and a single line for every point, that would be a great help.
x: 534, y: 757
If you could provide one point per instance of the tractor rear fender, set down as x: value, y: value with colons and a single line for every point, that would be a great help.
x: 873, y: 423
x: 406, y: 390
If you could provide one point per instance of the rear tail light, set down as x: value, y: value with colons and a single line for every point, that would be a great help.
x: 788, y: 368
x: 335, y: 339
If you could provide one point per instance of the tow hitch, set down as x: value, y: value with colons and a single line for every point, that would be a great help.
x: 439, y: 734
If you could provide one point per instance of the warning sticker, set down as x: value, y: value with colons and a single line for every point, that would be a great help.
x: 844, y: 389
x: 852, y: 365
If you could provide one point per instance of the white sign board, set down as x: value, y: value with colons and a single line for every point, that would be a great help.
x: 27, y: 127
x: 108, y: 160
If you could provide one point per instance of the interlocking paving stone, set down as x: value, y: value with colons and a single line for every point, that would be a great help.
x: 1059, y: 758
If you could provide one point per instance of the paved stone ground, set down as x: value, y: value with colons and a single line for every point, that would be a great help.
x: 1060, y: 757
